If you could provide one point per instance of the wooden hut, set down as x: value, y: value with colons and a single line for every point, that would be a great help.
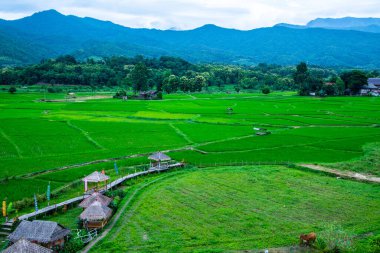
x: 45, y: 233
x: 96, y: 196
x: 24, y: 246
x: 159, y: 160
x: 96, y: 216
x: 95, y: 177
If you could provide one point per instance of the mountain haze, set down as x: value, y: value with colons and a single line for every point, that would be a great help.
x: 49, y: 34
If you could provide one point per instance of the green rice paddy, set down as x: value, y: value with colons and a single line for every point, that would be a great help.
x: 41, y: 137
x: 217, y: 207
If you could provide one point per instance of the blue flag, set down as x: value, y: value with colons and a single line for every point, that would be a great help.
x: 35, y: 203
x: 48, y: 192
x: 116, y: 169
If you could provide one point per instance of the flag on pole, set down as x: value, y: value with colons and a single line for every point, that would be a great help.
x: 4, y: 208
x: 35, y: 203
x: 10, y: 208
x: 116, y: 169
x: 48, y: 193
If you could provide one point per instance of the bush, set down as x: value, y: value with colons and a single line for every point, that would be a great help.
x: 54, y: 90
x: 120, y: 193
x: 265, y: 90
x: 12, y: 90
x: 120, y: 94
x: 374, y: 244
x: 159, y: 95
x: 79, y: 223
x: 334, y: 239
x: 72, y: 246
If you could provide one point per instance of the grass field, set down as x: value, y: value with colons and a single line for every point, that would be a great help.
x: 41, y: 137
x: 241, y: 208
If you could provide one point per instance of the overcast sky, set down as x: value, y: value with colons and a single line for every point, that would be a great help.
x: 188, y: 14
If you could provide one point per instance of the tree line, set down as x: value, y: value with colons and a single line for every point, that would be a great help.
x: 172, y: 74
x: 345, y: 83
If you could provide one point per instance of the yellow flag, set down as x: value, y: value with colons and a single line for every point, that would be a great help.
x: 4, y: 208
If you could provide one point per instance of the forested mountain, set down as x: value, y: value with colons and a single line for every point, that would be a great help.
x: 371, y: 25
x: 49, y: 34
x: 347, y: 23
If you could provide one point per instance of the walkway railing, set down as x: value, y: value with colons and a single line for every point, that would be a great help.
x: 109, y: 186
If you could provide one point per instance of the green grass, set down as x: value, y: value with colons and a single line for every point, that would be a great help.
x: 369, y: 163
x: 40, y: 137
x: 241, y: 208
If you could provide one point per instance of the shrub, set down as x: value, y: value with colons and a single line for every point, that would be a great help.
x: 334, y: 239
x: 120, y: 193
x: 265, y: 90
x: 374, y: 244
x: 12, y: 90
x: 120, y: 94
x: 159, y: 95
x: 72, y: 246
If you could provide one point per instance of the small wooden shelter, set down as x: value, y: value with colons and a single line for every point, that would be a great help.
x: 96, y: 196
x: 45, y: 233
x: 159, y: 160
x: 95, y: 177
x: 24, y: 246
x: 96, y: 215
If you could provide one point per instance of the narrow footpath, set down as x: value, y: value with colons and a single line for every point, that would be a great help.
x: 343, y: 174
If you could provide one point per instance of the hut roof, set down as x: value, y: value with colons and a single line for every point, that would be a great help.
x: 374, y: 81
x: 39, y: 231
x: 96, y: 196
x: 159, y: 156
x: 95, y: 177
x: 24, y: 246
x: 96, y: 212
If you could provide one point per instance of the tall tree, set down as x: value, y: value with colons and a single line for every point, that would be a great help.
x: 139, y: 77
x: 301, y: 74
x: 354, y: 80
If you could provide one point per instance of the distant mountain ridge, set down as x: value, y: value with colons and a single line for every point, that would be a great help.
x: 346, y: 23
x: 48, y: 34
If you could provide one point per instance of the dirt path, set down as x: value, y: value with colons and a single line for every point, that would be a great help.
x: 344, y: 174
x: 117, y: 216
x: 78, y: 99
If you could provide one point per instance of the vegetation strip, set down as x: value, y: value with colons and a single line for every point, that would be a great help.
x: 344, y: 174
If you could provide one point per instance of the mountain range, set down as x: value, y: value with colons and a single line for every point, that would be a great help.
x: 348, y: 23
x: 327, y: 42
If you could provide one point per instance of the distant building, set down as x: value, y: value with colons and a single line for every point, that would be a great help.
x: 45, y: 233
x: 372, y: 87
x: 148, y: 95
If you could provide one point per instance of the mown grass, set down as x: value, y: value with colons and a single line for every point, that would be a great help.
x: 241, y: 208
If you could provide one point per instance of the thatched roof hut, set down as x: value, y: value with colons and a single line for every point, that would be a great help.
x: 96, y: 196
x: 96, y: 177
x: 159, y: 156
x: 96, y: 215
x: 24, y: 246
x: 42, y: 232
x: 96, y: 212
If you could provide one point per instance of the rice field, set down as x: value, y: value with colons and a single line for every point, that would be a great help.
x: 39, y: 137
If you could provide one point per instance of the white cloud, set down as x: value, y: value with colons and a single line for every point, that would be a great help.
x: 187, y: 14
